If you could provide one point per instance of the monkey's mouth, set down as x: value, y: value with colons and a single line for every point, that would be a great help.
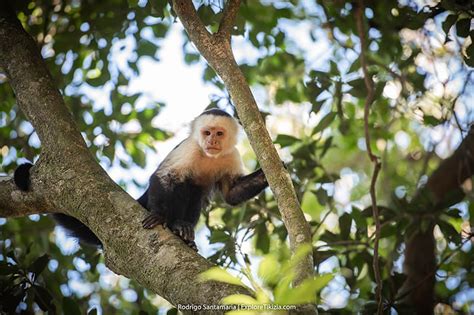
x: 213, y: 150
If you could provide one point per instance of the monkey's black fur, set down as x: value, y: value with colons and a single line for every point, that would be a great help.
x: 77, y: 229
x: 22, y: 176
x: 215, y: 112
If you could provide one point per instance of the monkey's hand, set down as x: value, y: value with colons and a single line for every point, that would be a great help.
x: 152, y: 220
x: 185, y: 231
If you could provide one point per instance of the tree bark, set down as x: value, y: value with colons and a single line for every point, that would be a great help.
x: 216, y: 49
x: 67, y: 179
x: 442, y: 190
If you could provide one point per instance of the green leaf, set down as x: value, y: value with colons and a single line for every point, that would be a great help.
x: 6, y: 269
x: 449, y: 232
x: 431, y: 120
x: 358, y: 88
x: 220, y: 275
x: 305, y: 292
x: 302, y: 251
x: 206, y: 14
x: 324, y: 123
x: 471, y: 213
x: 132, y: 3
x: 345, y: 222
x: 327, y: 145
x: 359, y: 219
x: 469, y: 58
x: 285, y: 140
x: 70, y: 307
x: 172, y: 311
x: 218, y: 236
x: 269, y: 269
x: 263, y: 239
x: 191, y: 58
x: 146, y: 48
x: 310, y: 205
x: 449, y: 22
x: 39, y: 264
x: 43, y: 298
x: 462, y: 27
x: 239, y: 299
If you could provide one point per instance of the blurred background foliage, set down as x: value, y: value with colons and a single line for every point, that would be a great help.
x: 301, y: 59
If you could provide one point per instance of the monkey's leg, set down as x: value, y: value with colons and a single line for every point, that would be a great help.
x: 184, y: 227
x: 159, y: 199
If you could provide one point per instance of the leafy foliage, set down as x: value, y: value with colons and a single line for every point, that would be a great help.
x: 302, y: 61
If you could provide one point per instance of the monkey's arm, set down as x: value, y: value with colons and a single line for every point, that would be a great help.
x: 243, y: 188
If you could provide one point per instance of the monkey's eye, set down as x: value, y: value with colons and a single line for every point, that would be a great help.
x: 220, y: 133
x: 206, y: 133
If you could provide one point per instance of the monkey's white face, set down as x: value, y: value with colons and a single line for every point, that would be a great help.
x: 216, y: 135
x: 213, y: 140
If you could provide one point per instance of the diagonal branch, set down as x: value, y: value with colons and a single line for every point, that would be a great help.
x: 40, y: 100
x: 228, y: 19
x: 219, y: 55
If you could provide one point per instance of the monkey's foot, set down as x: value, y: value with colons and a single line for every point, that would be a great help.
x: 184, y: 230
x: 152, y: 220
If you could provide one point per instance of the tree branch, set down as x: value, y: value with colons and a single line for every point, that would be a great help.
x: 72, y: 182
x: 15, y: 203
x: 228, y: 18
x: 444, y: 186
x: 27, y: 72
x: 219, y: 55
x: 369, y: 84
x: 443, y: 189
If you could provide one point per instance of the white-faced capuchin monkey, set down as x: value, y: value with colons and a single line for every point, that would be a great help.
x: 204, y: 163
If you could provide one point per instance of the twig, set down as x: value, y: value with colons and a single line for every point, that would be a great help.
x: 321, y: 223
x: 369, y: 84
x: 453, y: 110
x: 343, y: 243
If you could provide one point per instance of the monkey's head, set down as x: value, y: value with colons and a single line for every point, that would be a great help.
x: 216, y: 132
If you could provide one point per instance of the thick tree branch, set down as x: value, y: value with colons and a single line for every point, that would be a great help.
x: 444, y: 186
x: 37, y: 86
x: 219, y: 55
x: 442, y: 190
x: 228, y: 18
x: 72, y: 182
x: 15, y: 203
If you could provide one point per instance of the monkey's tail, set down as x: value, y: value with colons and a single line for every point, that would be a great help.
x: 21, y: 177
x: 73, y: 226
x: 77, y: 229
